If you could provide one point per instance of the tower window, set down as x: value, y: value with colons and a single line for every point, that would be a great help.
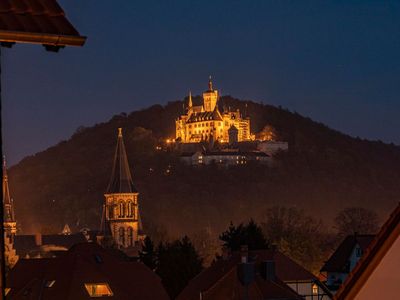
x: 130, y: 209
x: 121, y: 209
x: 122, y: 236
x: 130, y: 236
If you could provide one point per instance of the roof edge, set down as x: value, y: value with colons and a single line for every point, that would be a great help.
x: 41, y: 38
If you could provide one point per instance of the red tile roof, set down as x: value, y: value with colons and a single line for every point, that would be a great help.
x: 36, y: 21
x: 338, y: 262
x: 218, y: 274
x: 374, y: 254
x: 83, y: 263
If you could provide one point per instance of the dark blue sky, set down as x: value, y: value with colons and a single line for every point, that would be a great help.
x: 335, y: 61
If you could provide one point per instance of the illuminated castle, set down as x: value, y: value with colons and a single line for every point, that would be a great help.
x: 206, y: 123
x: 121, y: 219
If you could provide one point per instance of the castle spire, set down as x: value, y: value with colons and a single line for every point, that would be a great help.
x: 7, y: 201
x: 210, y: 87
x: 190, y: 103
x: 121, y: 179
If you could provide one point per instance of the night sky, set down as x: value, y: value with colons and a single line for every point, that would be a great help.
x: 337, y: 62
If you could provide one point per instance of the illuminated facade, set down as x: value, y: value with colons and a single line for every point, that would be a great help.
x: 121, y: 219
x: 206, y: 123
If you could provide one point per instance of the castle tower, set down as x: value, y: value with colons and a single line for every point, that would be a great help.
x: 121, y: 218
x: 210, y: 97
x: 10, y: 225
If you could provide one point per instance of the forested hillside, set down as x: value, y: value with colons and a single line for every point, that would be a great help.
x: 323, y: 172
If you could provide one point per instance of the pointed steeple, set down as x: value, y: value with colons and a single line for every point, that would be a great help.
x: 121, y: 179
x: 210, y: 86
x: 7, y: 201
x: 190, y: 102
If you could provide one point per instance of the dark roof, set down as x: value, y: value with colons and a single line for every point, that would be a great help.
x: 286, y: 270
x: 205, y: 116
x: 338, y: 262
x: 372, y: 257
x: 24, y: 244
x: 83, y: 263
x: 121, y: 179
x: 66, y: 241
x: 36, y: 21
x: 27, y: 244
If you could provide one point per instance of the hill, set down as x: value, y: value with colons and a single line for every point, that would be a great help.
x: 324, y: 171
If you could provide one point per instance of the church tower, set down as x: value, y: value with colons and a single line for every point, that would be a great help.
x: 10, y: 225
x: 121, y: 218
x: 210, y: 97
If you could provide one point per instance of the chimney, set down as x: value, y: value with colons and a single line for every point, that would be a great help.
x: 38, y: 239
x: 267, y: 271
x: 244, y: 253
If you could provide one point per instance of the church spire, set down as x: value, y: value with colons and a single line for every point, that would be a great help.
x: 7, y: 201
x: 121, y: 179
x: 210, y: 87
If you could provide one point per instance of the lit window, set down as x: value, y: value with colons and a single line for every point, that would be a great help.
x: 315, y: 289
x: 98, y: 289
x: 49, y: 283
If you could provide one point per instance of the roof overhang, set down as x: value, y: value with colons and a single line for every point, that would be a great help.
x: 54, y: 40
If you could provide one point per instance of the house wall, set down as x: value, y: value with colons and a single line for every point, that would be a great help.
x: 384, y: 282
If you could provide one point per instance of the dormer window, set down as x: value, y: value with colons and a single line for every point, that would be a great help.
x: 98, y: 289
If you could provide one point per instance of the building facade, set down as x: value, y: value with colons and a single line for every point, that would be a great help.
x: 121, y: 220
x: 206, y: 123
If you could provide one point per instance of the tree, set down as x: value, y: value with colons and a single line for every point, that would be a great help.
x: 250, y: 235
x: 148, y: 255
x: 356, y: 220
x: 176, y: 264
x: 298, y: 236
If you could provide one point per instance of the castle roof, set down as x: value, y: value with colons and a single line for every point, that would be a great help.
x: 121, y: 179
x: 205, y: 116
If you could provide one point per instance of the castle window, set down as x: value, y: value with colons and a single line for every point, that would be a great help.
x: 130, y: 237
x: 98, y: 289
x: 122, y: 236
x: 206, y: 124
